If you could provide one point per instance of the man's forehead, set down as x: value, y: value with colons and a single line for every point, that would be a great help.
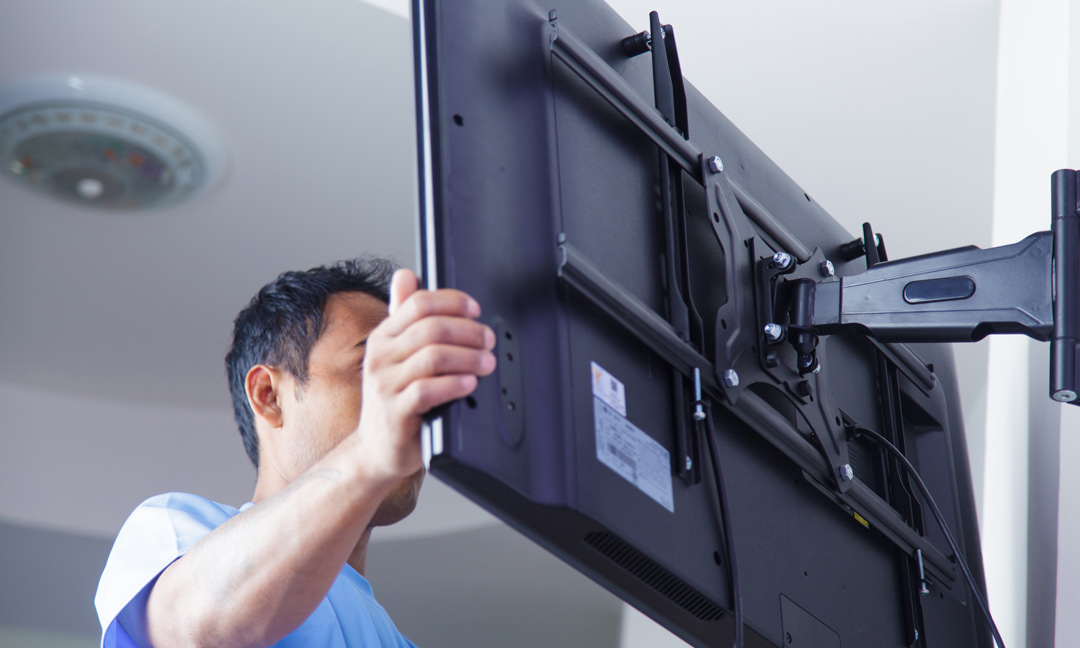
x: 350, y: 312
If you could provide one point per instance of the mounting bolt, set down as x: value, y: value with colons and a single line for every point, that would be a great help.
x: 689, y: 463
x: 1065, y: 396
x: 782, y: 260
x: 716, y: 165
x: 731, y: 378
x: 923, y: 589
x: 828, y: 269
x: 774, y: 331
x: 845, y: 473
x: 699, y: 410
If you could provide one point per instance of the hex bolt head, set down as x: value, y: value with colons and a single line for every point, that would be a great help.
x: 828, y: 269
x: 782, y: 260
x: 773, y: 331
x: 845, y: 473
x: 716, y: 165
x: 731, y: 378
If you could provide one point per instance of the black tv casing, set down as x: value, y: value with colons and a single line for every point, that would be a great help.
x: 517, y: 155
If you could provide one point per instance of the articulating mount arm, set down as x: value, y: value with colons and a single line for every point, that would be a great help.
x: 1031, y: 287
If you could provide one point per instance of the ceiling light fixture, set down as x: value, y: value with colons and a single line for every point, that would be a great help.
x: 105, y: 143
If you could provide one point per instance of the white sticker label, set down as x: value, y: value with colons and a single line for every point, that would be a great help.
x: 608, y: 389
x: 637, y: 457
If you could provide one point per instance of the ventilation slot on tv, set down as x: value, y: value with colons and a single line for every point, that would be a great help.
x: 655, y: 576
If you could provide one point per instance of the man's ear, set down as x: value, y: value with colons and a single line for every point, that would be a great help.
x: 263, y: 386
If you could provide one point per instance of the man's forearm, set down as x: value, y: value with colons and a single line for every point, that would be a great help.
x: 257, y: 577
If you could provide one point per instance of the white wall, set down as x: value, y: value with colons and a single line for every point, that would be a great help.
x: 104, y: 457
x: 1020, y: 460
x: 1067, y: 585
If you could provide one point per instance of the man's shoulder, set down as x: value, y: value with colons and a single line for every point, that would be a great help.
x: 157, y: 532
x: 182, y: 516
x: 188, y: 503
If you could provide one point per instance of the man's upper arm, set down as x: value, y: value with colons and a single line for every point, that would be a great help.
x: 158, y: 532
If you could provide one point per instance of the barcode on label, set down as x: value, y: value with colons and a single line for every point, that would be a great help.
x: 625, y: 458
x: 633, y: 454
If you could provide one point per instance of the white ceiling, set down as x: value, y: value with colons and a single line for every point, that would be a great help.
x: 113, y: 326
x: 313, y: 102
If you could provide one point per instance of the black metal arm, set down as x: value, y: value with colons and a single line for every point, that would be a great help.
x: 1031, y: 287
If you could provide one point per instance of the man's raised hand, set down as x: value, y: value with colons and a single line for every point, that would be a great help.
x: 428, y: 352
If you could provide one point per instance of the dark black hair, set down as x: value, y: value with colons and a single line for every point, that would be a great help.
x: 284, y: 320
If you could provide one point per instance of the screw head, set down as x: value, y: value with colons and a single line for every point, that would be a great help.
x: 845, y: 473
x: 716, y: 165
x: 828, y: 269
x: 1065, y: 396
x: 731, y: 378
x: 773, y: 331
x: 782, y: 260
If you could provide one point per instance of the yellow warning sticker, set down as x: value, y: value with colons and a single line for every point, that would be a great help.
x: 861, y: 519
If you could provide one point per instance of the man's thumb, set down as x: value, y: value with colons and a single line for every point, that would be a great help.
x: 403, y: 284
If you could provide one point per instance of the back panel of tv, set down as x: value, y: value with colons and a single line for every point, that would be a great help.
x: 573, y: 440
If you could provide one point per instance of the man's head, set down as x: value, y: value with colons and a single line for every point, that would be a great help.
x: 285, y: 320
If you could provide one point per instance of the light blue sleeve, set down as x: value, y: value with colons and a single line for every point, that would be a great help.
x: 158, y: 532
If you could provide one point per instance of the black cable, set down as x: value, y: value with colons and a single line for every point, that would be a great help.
x: 725, y: 519
x: 893, y: 450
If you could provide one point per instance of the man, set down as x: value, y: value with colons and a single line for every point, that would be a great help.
x: 329, y: 386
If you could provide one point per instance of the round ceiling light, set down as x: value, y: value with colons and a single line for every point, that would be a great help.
x: 105, y: 143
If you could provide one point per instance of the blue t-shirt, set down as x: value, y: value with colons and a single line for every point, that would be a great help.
x: 165, y: 527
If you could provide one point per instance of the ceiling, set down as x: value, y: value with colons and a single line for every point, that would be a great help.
x: 138, y: 306
x: 114, y: 325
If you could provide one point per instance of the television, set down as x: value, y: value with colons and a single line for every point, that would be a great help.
x: 657, y: 419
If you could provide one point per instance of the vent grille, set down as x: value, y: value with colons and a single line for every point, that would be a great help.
x: 652, y: 574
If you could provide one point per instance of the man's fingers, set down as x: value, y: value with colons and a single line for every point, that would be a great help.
x: 422, y: 396
x: 424, y: 303
x: 402, y: 285
x: 442, y: 360
x: 440, y: 330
